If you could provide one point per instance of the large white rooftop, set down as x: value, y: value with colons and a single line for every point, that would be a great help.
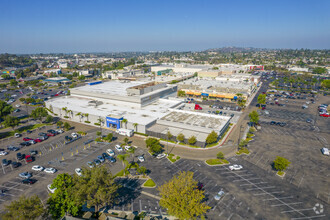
x: 111, y: 87
x: 142, y: 116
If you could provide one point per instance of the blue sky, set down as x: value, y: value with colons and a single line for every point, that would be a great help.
x: 42, y: 26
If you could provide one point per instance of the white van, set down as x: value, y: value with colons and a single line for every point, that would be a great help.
x: 325, y: 151
x: 126, y: 132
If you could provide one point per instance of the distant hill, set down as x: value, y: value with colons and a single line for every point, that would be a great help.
x: 235, y: 49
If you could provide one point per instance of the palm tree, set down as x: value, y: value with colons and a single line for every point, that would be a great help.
x: 65, y: 109
x: 125, y: 121
x: 135, y: 126
x: 70, y: 113
x: 79, y: 114
x: 122, y: 158
x: 132, y: 151
x: 101, y: 121
x: 86, y: 115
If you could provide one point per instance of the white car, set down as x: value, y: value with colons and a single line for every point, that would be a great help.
x: 219, y: 195
x: 325, y: 151
x: 74, y: 135
x: 17, y: 106
x: 3, y: 153
x: 17, y: 135
x: 50, y: 170
x: 37, y: 168
x: 119, y: 148
x: 128, y: 147
x: 60, y: 131
x: 52, y: 190
x: 110, y: 152
x: 31, y: 141
x: 78, y: 171
x: 236, y: 167
x: 141, y: 158
x: 160, y: 156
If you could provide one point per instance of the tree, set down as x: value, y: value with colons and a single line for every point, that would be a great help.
x: 281, y: 163
x: 98, y: 133
x: 63, y: 200
x: 39, y: 113
x: 125, y: 122
x: 49, y: 119
x: 262, y: 99
x: 86, y: 115
x: 181, y: 93
x: 154, y: 145
x: 96, y: 187
x: 13, y: 82
x: 319, y: 70
x: 326, y: 83
x: 243, y: 143
x: 180, y: 137
x: 132, y: 151
x: 192, y: 140
x: 135, y: 126
x: 123, y: 159
x: 254, y: 117
x: 100, y: 121
x: 169, y: 135
x: 24, y: 209
x: 126, y: 140
x: 181, y: 197
x: 59, y: 123
x: 81, y: 78
x: 65, y: 109
x: 11, y: 121
x: 80, y: 116
x: 67, y: 126
x: 5, y: 109
x: 142, y: 169
x: 220, y: 155
x: 109, y: 137
x: 212, y: 138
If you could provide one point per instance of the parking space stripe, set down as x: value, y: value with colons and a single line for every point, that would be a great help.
x: 288, y: 197
x: 261, y: 188
x: 252, y: 183
x: 13, y: 187
x: 308, y: 217
x: 296, y: 210
x: 293, y: 203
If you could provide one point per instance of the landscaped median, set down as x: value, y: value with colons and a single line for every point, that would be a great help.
x: 173, y: 158
x: 243, y: 150
x: 149, y: 184
x: 22, y: 129
x: 280, y: 173
x: 216, y: 162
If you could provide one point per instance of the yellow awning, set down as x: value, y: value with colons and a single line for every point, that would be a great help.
x: 197, y: 93
x: 189, y: 93
x: 221, y: 96
x: 213, y: 94
x: 229, y: 96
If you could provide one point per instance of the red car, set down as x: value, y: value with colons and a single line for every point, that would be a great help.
x: 28, y: 158
x: 50, y: 134
x: 325, y: 115
x: 56, y: 95
x: 37, y: 140
x: 27, y: 139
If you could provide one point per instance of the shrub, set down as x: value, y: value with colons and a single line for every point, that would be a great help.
x: 87, y: 122
x: 220, y: 155
x: 98, y: 124
x: 66, y: 116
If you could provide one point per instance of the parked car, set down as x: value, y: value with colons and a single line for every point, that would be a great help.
x: 118, y: 148
x: 60, y: 131
x: 29, y: 181
x: 90, y: 164
x: 5, y: 162
x: 3, y: 153
x: 13, y: 148
x: 43, y: 138
x: 20, y: 156
x: 78, y: 171
x: 28, y: 158
x: 38, y: 168
x: 50, y: 170
x: 17, y: 135
x: 100, y: 158
x: 110, y: 152
x: 25, y: 143
x: 42, y: 134
x: 38, y: 140
x: 111, y: 159
x: 74, y: 135
x: 33, y: 152
x: 27, y: 139
x: 236, y: 167
x: 97, y: 162
x: 160, y: 156
x: 141, y: 158
x: 219, y: 195
x: 28, y: 131
x: 325, y: 151
x: 128, y: 148
x: 15, y: 164
x: 32, y: 141
x: 25, y: 175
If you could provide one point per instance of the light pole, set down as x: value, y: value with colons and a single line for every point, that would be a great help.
x: 167, y: 139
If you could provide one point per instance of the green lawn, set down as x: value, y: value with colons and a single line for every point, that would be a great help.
x: 149, y: 183
x: 213, y: 162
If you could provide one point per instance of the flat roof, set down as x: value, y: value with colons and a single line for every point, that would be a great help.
x: 143, y: 116
x: 113, y: 87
